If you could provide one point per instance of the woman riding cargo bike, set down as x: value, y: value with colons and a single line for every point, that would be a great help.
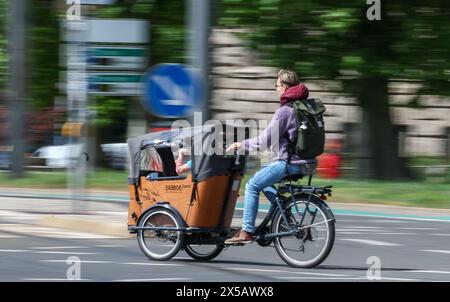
x: 169, y: 212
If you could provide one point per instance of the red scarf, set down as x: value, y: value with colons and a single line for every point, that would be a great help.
x: 299, y: 92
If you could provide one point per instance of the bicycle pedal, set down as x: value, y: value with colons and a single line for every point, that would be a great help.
x: 238, y: 243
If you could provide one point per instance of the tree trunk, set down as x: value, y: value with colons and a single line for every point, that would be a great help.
x: 380, y: 150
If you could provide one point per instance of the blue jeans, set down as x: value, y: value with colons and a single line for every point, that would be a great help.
x: 261, y: 181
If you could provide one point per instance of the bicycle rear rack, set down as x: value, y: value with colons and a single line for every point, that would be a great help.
x: 296, y: 189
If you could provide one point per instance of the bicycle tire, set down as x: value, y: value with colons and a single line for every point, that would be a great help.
x: 160, y: 217
x: 329, y: 218
x: 188, y: 248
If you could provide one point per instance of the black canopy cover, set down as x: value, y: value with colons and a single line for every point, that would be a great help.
x: 206, y: 145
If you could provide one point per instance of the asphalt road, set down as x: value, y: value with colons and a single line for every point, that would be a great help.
x: 406, y: 249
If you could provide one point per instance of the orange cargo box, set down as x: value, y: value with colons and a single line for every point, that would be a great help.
x: 201, y: 205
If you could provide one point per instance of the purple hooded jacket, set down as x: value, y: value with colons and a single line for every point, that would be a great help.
x: 284, y: 121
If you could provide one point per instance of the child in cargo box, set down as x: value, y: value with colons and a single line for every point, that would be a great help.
x: 182, y: 167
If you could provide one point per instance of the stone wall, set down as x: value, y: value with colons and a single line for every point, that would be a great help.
x: 242, y: 89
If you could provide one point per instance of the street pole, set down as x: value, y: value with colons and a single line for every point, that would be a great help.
x: 16, y: 93
x: 76, y: 35
x: 198, y: 45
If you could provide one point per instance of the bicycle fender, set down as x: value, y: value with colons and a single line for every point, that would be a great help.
x: 166, y: 206
x: 322, y: 203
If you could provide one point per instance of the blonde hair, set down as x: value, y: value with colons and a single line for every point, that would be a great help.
x: 288, y: 77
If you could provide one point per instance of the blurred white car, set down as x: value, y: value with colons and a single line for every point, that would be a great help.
x: 116, y: 155
x: 64, y: 156
x: 67, y: 156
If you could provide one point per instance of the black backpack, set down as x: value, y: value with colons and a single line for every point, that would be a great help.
x: 311, y: 128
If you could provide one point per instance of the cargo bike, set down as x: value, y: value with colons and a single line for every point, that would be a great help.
x: 169, y: 212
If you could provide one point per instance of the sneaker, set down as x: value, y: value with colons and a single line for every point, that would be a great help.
x: 241, y: 237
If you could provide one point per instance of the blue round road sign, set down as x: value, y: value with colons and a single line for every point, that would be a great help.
x: 172, y: 90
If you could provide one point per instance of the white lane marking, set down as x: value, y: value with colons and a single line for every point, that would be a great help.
x: 395, y: 217
x: 108, y: 245
x: 60, y: 233
x: 393, y: 233
x: 52, y: 232
x: 386, y: 220
x: 419, y: 229
x: 58, y: 247
x: 358, y: 230
x: 281, y: 271
x: 350, y: 233
x: 68, y: 253
x: 436, y: 251
x: 389, y: 233
x: 182, y: 258
x: 349, y: 278
x: 14, y: 251
x: 371, y: 242
x: 156, y: 279
x: 77, y: 236
x: 361, y: 227
x: 398, y: 279
x: 322, y: 278
x: 9, y: 236
x: 53, y: 279
x: 405, y: 218
x: 81, y: 261
x: 150, y: 264
x: 428, y: 272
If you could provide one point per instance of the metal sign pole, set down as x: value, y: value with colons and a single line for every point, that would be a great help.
x: 198, y: 24
x: 77, y: 106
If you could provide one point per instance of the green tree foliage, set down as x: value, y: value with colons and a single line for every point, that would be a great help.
x: 327, y: 38
x: 167, y: 31
x: 335, y: 40
x: 42, y: 51
x: 43, y: 47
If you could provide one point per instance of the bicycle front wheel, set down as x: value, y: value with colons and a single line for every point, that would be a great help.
x: 164, y: 243
x: 314, y: 236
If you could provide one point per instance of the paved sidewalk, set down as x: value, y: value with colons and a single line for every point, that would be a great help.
x: 88, y: 195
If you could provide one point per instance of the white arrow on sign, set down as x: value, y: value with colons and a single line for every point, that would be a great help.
x: 179, y: 96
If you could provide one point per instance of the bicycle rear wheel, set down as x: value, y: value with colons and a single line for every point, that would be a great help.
x: 203, y: 252
x: 314, y: 237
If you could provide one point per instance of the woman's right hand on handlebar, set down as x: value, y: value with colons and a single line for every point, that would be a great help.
x: 234, y: 146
